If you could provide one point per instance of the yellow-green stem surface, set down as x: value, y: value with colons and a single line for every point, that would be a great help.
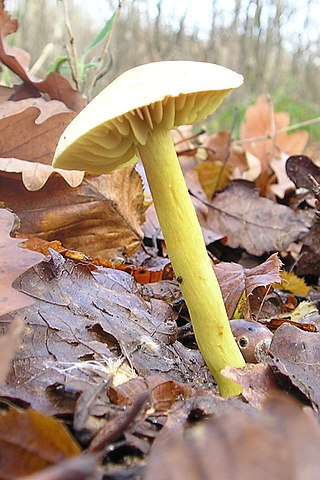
x: 189, y: 258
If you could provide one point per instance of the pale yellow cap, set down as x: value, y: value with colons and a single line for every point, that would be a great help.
x: 166, y: 94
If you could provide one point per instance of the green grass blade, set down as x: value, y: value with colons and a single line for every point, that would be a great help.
x: 102, y: 34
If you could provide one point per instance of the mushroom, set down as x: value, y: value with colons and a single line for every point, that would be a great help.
x: 132, y: 117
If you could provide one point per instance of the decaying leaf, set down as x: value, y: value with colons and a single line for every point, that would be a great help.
x: 309, y: 259
x: 83, y: 316
x: 14, y: 261
x: 234, y: 279
x: 296, y: 354
x: 101, y: 217
x: 258, y: 382
x: 31, y: 442
x: 299, y: 168
x: 254, y: 223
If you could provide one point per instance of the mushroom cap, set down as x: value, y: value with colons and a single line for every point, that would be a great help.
x: 166, y: 94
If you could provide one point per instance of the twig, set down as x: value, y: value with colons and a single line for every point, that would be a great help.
x: 108, y: 435
x: 74, y: 56
x: 101, y: 70
x: 262, y: 138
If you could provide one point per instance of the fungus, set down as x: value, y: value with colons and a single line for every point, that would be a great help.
x: 132, y: 117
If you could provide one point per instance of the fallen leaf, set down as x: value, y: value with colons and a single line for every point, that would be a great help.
x: 14, y: 261
x: 299, y: 168
x: 101, y: 217
x: 260, y: 136
x: 258, y: 382
x: 309, y: 259
x: 213, y: 176
x: 251, y: 222
x: 30, y: 130
x: 284, y: 184
x: 235, y: 279
x: 293, y: 284
x: 82, y: 323
x: 295, y: 354
x: 220, y: 147
x: 163, y: 392
x: 241, y: 445
x: 31, y: 441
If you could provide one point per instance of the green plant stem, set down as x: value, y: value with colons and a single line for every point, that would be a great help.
x: 189, y: 258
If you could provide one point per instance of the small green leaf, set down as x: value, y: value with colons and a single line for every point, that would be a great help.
x: 102, y: 34
x: 55, y: 66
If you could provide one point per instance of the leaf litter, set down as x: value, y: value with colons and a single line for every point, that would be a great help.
x: 85, y: 338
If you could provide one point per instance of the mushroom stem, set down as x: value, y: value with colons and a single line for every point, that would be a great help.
x: 189, y: 258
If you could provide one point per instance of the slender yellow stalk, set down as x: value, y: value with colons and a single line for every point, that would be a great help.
x: 189, y: 258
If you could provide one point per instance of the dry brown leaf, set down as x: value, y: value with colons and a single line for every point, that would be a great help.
x: 251, y: 222
x: 262, y: 121
x: 83, y: 324
x: 14, y: 261
x: 241, y: 445
x: 296, y: 354
x: 29, y: 131
x: 309, y: 261
x: 220, y: 146
x: 18, y: 60
x: 31, y: 442
x: 258, y: 382
x: 234, y: 279
x: 101, y: 217
x: 299, y: 168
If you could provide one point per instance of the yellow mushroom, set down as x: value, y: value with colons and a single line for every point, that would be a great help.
x: 131, y: 118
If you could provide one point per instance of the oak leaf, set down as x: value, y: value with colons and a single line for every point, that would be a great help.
x: 29, y: 131
x: 262, y: 135
x: 101, y: 217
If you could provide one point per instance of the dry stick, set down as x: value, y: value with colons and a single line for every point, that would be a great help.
x: 108, y: 435
x: 74, y: 55
x: 101, y: 70
x: 261, y: 138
